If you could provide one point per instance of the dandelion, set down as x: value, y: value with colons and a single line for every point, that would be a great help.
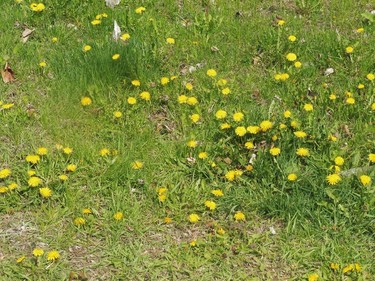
x: 194, y: 118
x: 349, y: 50
x: 53, y: 255
x: 7, y: 105
x: 291, y: 56
x: 104, y: 152
x: 300, y: 134
x: 210, y: 205
x: 37, y: 252
x: 249, y: 145
x: 348, y: 268
x: 373, y: 106
x: 3, y: 189
x: 12, y: 186
x: 313, y: 277
x: 45, y: 192
x: 238, y: 116
x: 42, y: 64
x: 116, y: 56
x: 292, y: 38
x: 193, y: 218
x: 131, y: 100
x: 292, y: 177
x: 192, y: 101
x: 222, y: 82
x: 303, y: 152
x: 33, y: 159
x: 334, y: 266
x: 125, y: 36
x: 333, y: 179
x: 67, y: 150
x: 20, y: 259
x: 202, y: 155
x: 239, y: 216
x: 308, y: 107
x: 357, y: 267
x: 37, y: 7
x: 240, y: 131
x: 192, y: 143
x: 274, y: 151
x: 136, y: 83
x: 189, y: 86
x: 42, y: 151
x: 136, y: 165
x: 365, y: 180
x: 211, y: 72
x: 220, y: 114
x: 360, y: 86
x: 85, y: 101
x: 164, y: 81
x: 86, y: 211
x: 79, y: 221
x: 294, y: 124
x: 282, y: 126
x: 360, y: 30
x: 167, y: 220
x: 96, y: 22
x: 230, y: 175
x: 350, y: 100
x: 280, y: 22
x: 339, y: 161
x: 298, y: 64
x: 265, y: 125
x: 118, y: 216
x: 71, y: 167
x: 182, y: 99
x: 86, y: 48
x: 284, y: 76
x: 332, y: 96
x: 253, y: 129
x: 193, y: 243
x: 140, y: 10
x: 217, y: 192
x: 371, y: 157
x: 225, y: 126
x: 170, y: 40
x: 4, y: 173
x: 63, y: 177
x: 225, y: 91
x: 370, y: 76
x: 31, y: 173
x: 117, y: 114
x: 145, y: 96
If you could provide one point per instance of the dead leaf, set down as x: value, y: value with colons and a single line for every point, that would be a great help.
x: 26, y: 34
x: 7, y: 74
x: 214, y: 49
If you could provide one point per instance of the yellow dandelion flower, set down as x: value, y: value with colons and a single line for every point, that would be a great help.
x: 31, y: 173
x: 339, y: 161
x: 303, y: 152
x: 370, y: 76
x: 240, y: 131
x: 42, y: 64
x: 300, y: 134
x: 253, y: 129
x: 365, y: 180
x: 145, y: 96
x: 192, y: 101
x: 313, y: 277
x: 189, y: 86
x: 239, y: 216
x: 118, y: 216
x: 350, y: 101
x: 217, y: 192
x: 210, y: 205
x: 20, y: 259
x: 225, y: 126
x: 274, y: 151
x: 79, y: 221
x: 294, y: 124
x: 360, y: 30
x: 131, y: 100
x: 334, y: 266
x: 349, y: 50
x: 348, y: 268
x: 291, y: 56
x: 194, y: 118
x: 265, y: 125
x: 86, y: 48
x: 67, y: 150
x: 63, y: 177
x: 12, y: 186
x: 292, y: 177
x: 371, y: 157
x: 71, y: 167
x: 220, y: 114
x: 182, y: 99
x: 164, y: 81
x: 45, y: 192
x: 238, y: 116
x: 308, y: 107
x: 4, y: 173
x: 140, y: 10
x: 3, y: 189
x: 37, y: 252
x: 192, y: 143
x: 202, y: 155
x: 104, y: 152
x: 136, y: 83
x: 333, y: 179
x: 193, y: 218
x: 167, y: 220
x: 170, y: 40
x: 85, y: 101
x: 117, y: 114
x: 226, y: 91
x: 211, y: 72
x: 125, y: 36
x: 292, y: 38
x: 136, y: 165
x: 298, y: 64
x: 116, y: 56
x: 284, y: 76
x: 86, y: 211
x: 96, y: 22
x: 53, y: 255
x: 249, y: 145
x: 280, y: 22
x: 33, y: 159
x: 42, y: 151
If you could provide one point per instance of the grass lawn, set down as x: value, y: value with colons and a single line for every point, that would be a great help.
x: 187, y: 140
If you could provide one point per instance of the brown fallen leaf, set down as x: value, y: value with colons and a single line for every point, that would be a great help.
x: 26, y: 34
x: 7, y: 74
